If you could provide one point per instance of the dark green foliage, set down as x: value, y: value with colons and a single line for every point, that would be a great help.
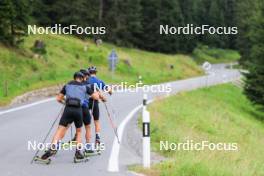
x: 216, y: 18
x: 6, y: 11
x: 254, y: 88
x: 246, y: 10
x: 136, y: 22
x: 156, y: 13
x: 123, y: 21
x: 14, y: 17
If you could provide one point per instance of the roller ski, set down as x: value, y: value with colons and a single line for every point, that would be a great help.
x: 38, y: 159
x: 90, y: 150
x: 79, y: 157
x: 97, y: 144
x: 88, y: 153
x: 45, y: 158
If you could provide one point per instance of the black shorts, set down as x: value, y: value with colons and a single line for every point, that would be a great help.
x: 86, y: 116
x: 94, y: 107
x: 72, y: 114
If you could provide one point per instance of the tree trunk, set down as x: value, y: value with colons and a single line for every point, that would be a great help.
x: 101, y: 9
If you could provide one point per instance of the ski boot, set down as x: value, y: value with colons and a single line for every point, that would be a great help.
x: 79, y: 157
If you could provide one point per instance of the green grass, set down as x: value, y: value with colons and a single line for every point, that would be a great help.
x: 217, y: 114
x: 65, y: 55
x: 215, y: 55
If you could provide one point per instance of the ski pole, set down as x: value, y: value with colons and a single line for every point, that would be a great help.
x: 54, y: 122
x: 112, y: 108
x: 71, y: 132
x: 112, y: 123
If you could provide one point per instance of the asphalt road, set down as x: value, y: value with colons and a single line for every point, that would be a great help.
x: 32, y: 123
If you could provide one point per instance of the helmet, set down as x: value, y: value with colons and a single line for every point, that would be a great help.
x: 92, y: 69
x: 85, y: 72
x: 78, y: 75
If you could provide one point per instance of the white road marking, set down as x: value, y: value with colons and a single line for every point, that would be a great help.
x: 113, y: 163
x: 136, y: 174
x: 26, y: 106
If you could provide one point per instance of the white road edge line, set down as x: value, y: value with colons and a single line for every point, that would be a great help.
x: 26, y: 106
x: 113, y: 162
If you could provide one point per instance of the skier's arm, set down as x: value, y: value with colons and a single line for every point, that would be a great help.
x: 60, y: 96
x: 95, y: 96
x: 93, y: 93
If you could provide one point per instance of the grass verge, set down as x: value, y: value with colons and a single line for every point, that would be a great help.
x: 216, y: 114
x: 214, y: 55
x: 21, y: 72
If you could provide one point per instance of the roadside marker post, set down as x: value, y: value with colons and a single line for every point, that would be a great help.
x: 112, y: 59
x: 207, y: 67
x: 146, y: 134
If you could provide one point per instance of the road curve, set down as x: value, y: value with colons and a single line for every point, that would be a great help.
x: 32, y: 123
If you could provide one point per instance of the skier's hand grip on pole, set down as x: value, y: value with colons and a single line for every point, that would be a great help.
x: 95, y: 96
x: 102, y: 97
x: 60, y: 98
x: 110, y: 92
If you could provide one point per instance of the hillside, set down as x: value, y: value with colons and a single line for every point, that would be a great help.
x: 215, y: 55
x: 21, y: 72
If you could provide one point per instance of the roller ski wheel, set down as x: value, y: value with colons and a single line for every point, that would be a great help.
x: 92, y: 153
x: 80, y: 160
x: 98, y: 147
x: 99, y: 152
x: 97, y: 143
x: 42, y: 161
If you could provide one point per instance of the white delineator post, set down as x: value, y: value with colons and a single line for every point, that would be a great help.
x: 146, y: 134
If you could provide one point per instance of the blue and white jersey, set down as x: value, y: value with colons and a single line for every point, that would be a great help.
x: 93, y: 80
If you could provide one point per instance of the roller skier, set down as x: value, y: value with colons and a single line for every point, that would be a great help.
x: 89, y: 148
x: 94, y: 104
x: 75, y: 92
